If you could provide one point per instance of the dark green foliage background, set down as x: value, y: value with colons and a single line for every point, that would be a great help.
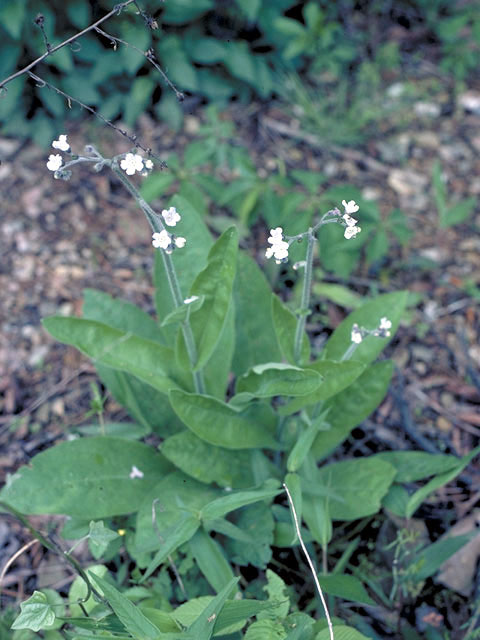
x: 213, y: 51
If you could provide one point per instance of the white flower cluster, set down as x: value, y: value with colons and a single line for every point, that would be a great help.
x: 382, y: 331
x: 351, y: 230
x: 133, y: 162
x: 168, y: 242
x: 55, y: 160
x: 171, y: 216
x: 279, y: 248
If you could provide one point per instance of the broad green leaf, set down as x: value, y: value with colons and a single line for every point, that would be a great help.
x: 188, y: 262
x: 255, y: 340
x: 416, y: 465
x: 336, y: 377
x: 396, y: 500
x: 338, y: 294
x: 218, y: 369
x: 256, y: 520
x: 351, y: 406
x: 167, y: 502
x: 341, y: 632
x: 285, y: 323
x: 277, y: 379
x: 148, y: 360
x: 361, y: 483
x: 208, y: 463
x: 300, y: 625
x: 431, y: 558
x: 227, y: 528
x: 215, y: 282
x: 438, y: 481
x: 389, y: 305
x: 207, y: 50
x: 277, y: 593
x: 346, y: 587
x: 155, y: 185
x: 182, y: 531
x: 211, y: 560
x: 265, y: 630
x: 36, y: 613
x: 218, y: 424
x: 127, y: 430
x: 221, y: 506
x: 129, y: 615
x: 88, y: 478
x: 205, y: 624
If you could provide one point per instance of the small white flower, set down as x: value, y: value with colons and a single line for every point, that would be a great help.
x: 171, y: 216
x: 61, y: 143
x: 190, y: 300
x: 351, y: 206
x: 356, y: 335
x: 131, y: 163
x: 54, y: 162
x: 180, y: 242
x: 385, y: 323
x: 148, y: 164
x: 351, y: 232
x: 162, y: 240
x: 351, y: 222
x: 276, y: 235
x: 136, y: 473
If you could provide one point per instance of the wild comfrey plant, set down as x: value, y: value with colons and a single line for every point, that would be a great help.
x: 224, y: 376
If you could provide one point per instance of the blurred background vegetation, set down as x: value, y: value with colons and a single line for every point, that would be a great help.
x: 349, y: 53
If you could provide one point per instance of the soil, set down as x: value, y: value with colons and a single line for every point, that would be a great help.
x: 59, y: 237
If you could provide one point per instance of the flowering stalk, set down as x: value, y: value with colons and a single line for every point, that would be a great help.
x: 157, y: 227
x: 306, y: 292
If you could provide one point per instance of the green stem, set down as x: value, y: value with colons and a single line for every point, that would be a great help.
x: 306, y: 292
x: 156, y: 226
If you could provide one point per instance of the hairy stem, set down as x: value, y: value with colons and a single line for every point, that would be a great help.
x: 173, y: 283
x: 306, y: 292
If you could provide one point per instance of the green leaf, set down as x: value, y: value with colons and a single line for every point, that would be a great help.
x: 361, y: 483
x: 91, y: 478
x: 100, y: 537
x: 338, y: 294
x: 390, y: 305
x: 207, y: 50
x: 438, y: 481
x: 215, y: 282
x: 341, y: 632
x: 254, y: 332
x: 250, y: 8
x: 128, y: 430
x: 205, y: 624
x: 208, y: 463
x: 181, y: 313
x: 416, y: 465
x: 256, y: 520
x: 265, y: 630
x: 458, y: 212
x: 211, y: 560
x: 78, y: 592
x: 396, y: 500
x: 221, y: 506
x: 216, y: 423
x: 285, y: 323
x: 302, y: 446
x: 170, y: 500
x: 336, y: 377
x: 277, y: 593
x: 183, y: 531
x: 277, y: 379
x: 318, y: 517
x: 294, y: 484
x: 218, y: 369
x: 350, y: 407
x: 129, y: 615
x: 156, y: 184
x: 346, y: 587
x: 431, y: 558
x: 119, y: 314
x: 36, y: 613
x: 145, y: 359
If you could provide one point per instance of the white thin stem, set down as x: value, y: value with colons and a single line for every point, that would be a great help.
x: 310, y: 563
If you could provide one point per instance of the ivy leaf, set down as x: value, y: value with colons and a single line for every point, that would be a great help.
x: 36, y: 613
